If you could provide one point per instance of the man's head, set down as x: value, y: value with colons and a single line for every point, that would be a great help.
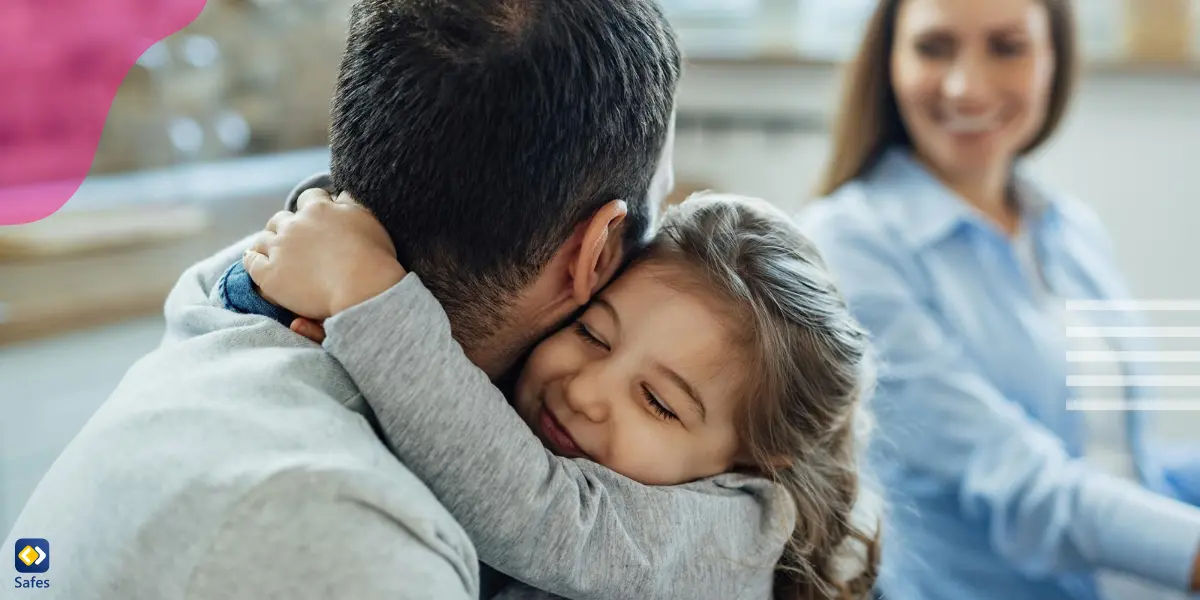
x: 508, y: 147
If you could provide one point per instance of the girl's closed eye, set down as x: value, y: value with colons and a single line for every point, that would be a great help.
x: 658, y: 407
x: 586, y: 334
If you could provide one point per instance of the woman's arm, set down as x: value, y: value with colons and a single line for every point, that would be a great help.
x: 1044, y: 510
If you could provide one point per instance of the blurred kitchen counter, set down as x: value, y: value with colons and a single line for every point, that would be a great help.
x: 52, y: 295
x: 48, y: 296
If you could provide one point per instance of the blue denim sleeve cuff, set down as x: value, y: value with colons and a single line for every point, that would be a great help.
x: 237, y: 293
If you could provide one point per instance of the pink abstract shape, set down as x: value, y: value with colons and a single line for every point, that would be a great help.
x: 61, y: 62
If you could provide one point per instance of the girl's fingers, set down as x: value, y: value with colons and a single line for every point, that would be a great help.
x: 309, y: 329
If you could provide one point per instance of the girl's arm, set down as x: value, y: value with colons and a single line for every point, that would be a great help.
x: 569, y: 527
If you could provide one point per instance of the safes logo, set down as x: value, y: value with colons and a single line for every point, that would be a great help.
x: 32, y: 556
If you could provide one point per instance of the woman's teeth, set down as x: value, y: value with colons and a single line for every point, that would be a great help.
x: 971, y: 124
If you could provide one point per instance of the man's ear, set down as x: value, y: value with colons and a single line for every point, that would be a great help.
x: 600, y: 251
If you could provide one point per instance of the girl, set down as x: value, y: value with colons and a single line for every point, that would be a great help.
x: 960, y: 264
x: 721, y: 364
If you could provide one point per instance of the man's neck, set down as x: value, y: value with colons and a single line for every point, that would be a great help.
x: 489, y: 363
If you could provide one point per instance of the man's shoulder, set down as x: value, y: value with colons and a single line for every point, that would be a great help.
x: 247, y: 419
x: 334, y: 530
x: 160, y: 520
x: 196, y: 441
x: 256, y: 388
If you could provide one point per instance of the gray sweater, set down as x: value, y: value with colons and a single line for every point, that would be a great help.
x: 237, y: 461
x: 240, y: 461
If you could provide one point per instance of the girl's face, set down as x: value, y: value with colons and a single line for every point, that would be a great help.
x: 643, y: 383
x: 972, y: 79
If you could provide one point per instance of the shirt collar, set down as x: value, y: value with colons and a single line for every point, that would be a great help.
x: 926, y: 211
x: 320, y: 180
x: 1040, y: 207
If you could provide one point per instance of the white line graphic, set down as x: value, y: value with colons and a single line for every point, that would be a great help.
x: 1133, y: 332
x: 1133, y: 380
x: 1099, y: 364
x: 1133, y: 305
x: 1105, y: 404
x: 1138, y: 356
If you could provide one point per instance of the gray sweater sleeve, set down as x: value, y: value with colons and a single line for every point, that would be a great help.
x: 569, y: 527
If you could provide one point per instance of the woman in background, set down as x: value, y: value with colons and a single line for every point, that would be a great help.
x: 961, y: 265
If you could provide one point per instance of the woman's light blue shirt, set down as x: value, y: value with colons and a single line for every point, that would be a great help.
x: 977, y: 452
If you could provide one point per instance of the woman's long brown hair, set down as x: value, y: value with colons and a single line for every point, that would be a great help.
x: 869, y: 122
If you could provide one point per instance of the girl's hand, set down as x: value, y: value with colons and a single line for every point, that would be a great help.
x: 326, y: 257
x: 313, y: 330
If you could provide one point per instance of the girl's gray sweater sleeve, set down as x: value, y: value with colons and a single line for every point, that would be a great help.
x: 570, y: 527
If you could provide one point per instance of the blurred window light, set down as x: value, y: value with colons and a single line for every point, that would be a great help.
x: 156, y: 56
x: 200, y: 51
x: 1109, y: 30
x: 831, y: 29
x: 232, y: 130
x: 186, y: 135
x: 710, y: 7
x: 1100, y: 24
x: 716, y: 27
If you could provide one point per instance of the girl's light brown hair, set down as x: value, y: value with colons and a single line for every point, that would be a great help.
x: 869, y: 122
x: 808, y: 369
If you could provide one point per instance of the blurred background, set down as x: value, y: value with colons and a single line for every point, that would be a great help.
x: 216, y: 123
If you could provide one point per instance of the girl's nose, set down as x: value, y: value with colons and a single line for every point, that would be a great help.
x: 586, y: 394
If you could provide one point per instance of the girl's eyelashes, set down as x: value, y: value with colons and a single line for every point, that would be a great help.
x: 657, y: 406
x: 586, y: 334
x: 652, y: 401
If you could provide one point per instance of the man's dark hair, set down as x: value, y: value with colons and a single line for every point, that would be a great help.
x: 482, y: 133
